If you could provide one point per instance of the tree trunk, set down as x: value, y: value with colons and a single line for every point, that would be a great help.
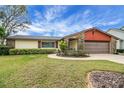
x: 2, y: 41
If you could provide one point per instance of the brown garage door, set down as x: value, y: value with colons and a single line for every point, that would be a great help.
x: 97, y: 47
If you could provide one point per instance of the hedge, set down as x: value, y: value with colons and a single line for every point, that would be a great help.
x: 120, y: 50
x: 31, y: 51
x: 4, y: 50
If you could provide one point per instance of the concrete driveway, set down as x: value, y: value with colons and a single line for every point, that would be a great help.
x: 110, y: 57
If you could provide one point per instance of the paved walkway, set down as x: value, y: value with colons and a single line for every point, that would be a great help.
x: 110, y: 57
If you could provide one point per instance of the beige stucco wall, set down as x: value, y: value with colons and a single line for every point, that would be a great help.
x: 73, y: 44
x: 26, y: 44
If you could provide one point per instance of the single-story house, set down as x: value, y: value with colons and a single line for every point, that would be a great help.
x: 120, y: 34
x: 93, y: 40
x: 23, y: 41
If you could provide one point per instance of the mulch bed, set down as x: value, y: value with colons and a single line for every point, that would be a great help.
x: 104, y: 79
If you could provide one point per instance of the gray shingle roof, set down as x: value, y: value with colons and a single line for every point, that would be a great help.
x: 116, y: 30
x: 33, y: 37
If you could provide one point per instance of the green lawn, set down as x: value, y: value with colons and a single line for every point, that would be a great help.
x: 40, y: 71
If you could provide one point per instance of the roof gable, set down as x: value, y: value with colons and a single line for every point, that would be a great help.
x: 90, y: 29
x: 96, y: 35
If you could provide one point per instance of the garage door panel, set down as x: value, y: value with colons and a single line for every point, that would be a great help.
x: 97, y: 47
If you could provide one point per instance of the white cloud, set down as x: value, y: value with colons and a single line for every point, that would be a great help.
x: 106, y: 23
x: 51, y: 22
x: 36, y: 28
x: 53, y: 12
x: 22, y: 33
x: 38, y: 15
x: 87, y: 12
x: 114, y: 22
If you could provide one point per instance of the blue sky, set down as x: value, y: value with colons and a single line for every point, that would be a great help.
x: 64, y: 20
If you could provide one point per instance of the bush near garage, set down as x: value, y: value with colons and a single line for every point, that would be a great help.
x: 120, y: 50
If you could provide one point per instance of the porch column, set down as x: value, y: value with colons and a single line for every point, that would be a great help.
x: 81, y: 42
x: 113, y: 45
x: 56, y: 44
x: 67, y: 41
x: 118, y: 45
x: 39, y: 43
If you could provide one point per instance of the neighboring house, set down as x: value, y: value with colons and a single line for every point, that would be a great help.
x: 93, y: 40
x: 22, y: 41
x: 120, y: 34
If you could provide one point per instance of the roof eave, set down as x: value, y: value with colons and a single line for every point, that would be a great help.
x: 30, y: 39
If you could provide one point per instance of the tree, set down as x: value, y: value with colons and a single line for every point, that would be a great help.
x: 63, y: 45
x: 13, y: 19
x: 2, y: 33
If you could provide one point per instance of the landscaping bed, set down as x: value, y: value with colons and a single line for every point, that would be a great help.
x: 65, y: 51
x: 104, y: 79
x: 72, y: 53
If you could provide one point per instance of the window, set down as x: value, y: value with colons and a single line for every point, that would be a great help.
x: 48, y: 44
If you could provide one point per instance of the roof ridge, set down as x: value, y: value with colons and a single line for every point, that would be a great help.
x: 32, y: 36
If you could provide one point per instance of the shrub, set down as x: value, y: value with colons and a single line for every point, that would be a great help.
x: 31, y: 51
x: 120, y: 50
x: 73, y: 53
x: 4, y: 50
x: 62, y: 45
x: 76, y: 53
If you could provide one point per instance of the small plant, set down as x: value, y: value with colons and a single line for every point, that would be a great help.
x: 62, y: 45
x: 120, y: 50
